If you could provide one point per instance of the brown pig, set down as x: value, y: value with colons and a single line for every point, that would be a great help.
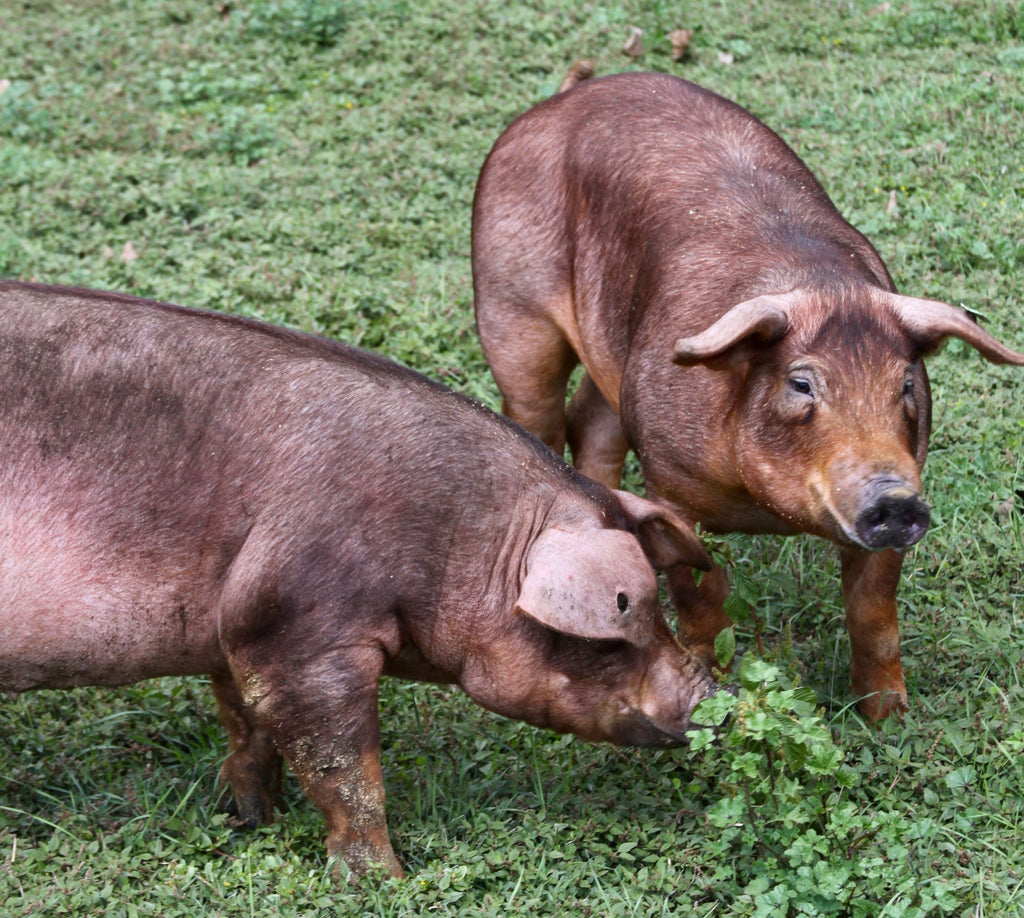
x: 185, y: 492
x: 737, y: 333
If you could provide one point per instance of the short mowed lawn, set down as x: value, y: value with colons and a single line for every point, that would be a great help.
x: 312, y: 163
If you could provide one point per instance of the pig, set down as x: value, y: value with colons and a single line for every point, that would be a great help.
x: 743, y: 339
x: 184, y: 492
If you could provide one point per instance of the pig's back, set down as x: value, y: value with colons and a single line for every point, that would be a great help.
x: 641, y: 133
x: 142, y: 445
x: 154, y: 412
x: 82, y: 369
x: 638, y: 192
x: 122, y: 502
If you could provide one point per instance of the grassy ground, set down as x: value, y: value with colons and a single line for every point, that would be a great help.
x: 313, y: 163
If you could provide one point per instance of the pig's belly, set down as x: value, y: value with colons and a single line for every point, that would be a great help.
x: 74, y: 646
x: 67, y: 621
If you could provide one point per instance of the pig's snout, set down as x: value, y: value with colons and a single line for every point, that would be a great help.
x: 669, y: 694
x: 893, y: 516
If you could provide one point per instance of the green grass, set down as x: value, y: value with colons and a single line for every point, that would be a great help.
x: 313, y: 163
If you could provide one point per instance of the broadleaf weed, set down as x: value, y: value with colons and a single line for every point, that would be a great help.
x: 792, y: 840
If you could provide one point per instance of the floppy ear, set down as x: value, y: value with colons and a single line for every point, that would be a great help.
x: 666, y: 539
x: 739, y: 334
x: 930, y: 322
x: 593, y: 584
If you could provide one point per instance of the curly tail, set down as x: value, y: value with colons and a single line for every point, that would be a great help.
x: 578, y: 72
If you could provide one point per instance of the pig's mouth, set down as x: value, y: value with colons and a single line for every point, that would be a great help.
x: 637, y: 729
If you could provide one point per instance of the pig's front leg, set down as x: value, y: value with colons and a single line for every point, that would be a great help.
x: 253, y: 769
x: 321, y: 712
x: 700, y: 607
x: 870, y: 580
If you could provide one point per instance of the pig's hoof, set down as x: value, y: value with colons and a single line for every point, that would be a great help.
x: 250, y: 811
x: 249, y: 799
x: 880, y: 705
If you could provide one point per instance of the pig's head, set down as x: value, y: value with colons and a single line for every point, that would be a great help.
x: 831, y: 428
x: 613, y: 669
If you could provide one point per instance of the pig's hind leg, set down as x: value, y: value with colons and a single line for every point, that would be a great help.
x: 531, y: 361
x: 252, y: 771
x: 595, y: 435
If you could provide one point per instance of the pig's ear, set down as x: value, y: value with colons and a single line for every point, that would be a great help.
x: 930, y: 322
x: 594, y: 584
x: 739, y: 334
x: 667, y: 540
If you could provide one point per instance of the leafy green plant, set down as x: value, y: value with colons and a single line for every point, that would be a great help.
x: 309, y: 22
x: 791, y: 836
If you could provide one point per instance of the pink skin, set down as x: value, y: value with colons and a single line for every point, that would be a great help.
x: 739, y: 335
x: 182, y: 492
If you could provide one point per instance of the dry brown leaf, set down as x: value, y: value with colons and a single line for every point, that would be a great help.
x: 634, y: 46
x: 680, y: 39
x: 933, y: 146
x: 128, y: 253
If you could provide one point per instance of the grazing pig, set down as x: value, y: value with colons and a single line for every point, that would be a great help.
x: 739, y: 335
x: 184, y: 492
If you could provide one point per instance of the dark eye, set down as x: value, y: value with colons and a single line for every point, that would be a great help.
x: 622, y: 601
x: 909, y: 398
x: 800, y: 385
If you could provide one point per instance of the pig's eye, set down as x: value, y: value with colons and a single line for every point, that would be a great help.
x: 909, y: 398
x: 800, y: 385
x: 622, y: 601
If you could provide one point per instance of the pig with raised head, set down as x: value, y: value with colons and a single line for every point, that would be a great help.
x: 185, y: 492
x: 737, y: 333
